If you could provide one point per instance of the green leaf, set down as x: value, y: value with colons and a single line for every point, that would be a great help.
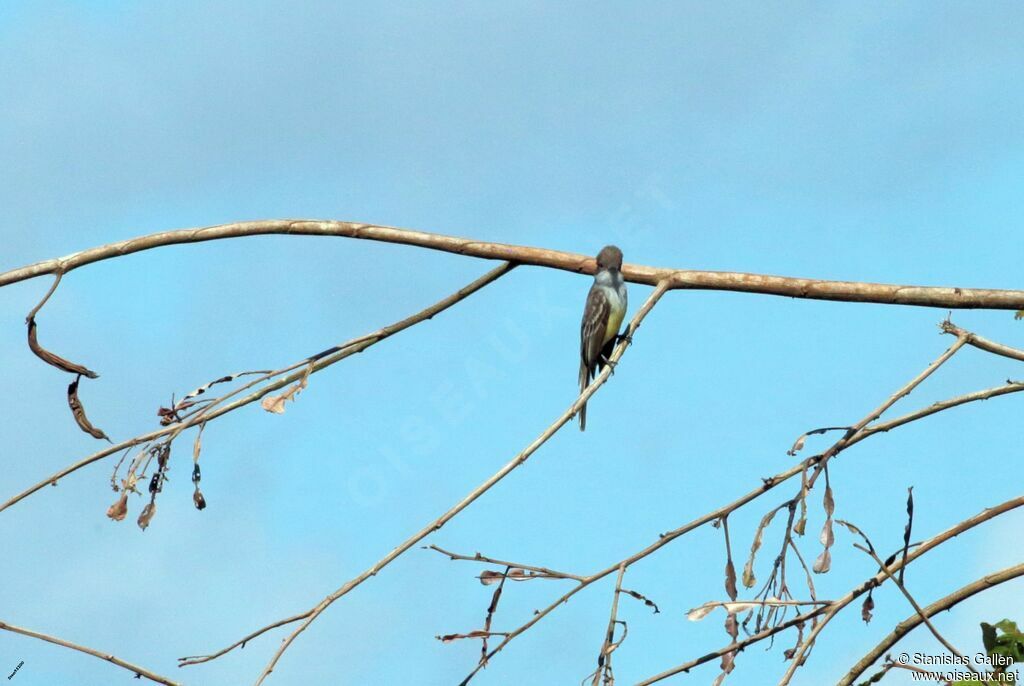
x: 1009, y: 627
x: 988, y: 636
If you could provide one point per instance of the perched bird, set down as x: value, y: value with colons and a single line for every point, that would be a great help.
x: 602, y: 317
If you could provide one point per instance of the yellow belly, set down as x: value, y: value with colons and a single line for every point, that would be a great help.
x: 614, y: 321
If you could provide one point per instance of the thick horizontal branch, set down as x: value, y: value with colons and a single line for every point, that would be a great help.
x: 915, y: 620
x: 851, y: 291
x: 138, y: 671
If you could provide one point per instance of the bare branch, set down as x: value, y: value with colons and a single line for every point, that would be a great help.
x: 240, y: 643
x: 827, y: 612
x: 604, y: 658
x: 898, y: 581
x: 1009, y: 387
x: 767, y: 484
x: 542, y: 571
x: 138, y: 671
x: 850, y: 291
x: 322, y: 361
x: 877, y: 580
x: 851, y: 435
x: 515, y: 462
x: 918, y: 618
x: 982, y: 343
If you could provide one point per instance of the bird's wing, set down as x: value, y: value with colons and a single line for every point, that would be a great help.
x: 592, y: 328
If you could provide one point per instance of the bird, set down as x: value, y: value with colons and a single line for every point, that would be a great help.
x: 602, y: 317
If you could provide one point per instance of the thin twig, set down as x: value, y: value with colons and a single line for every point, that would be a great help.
x: 827, y: 612
x: 138, y: 671
x: 851, y: 435
x: 319, y: 364
x: 604, y: 658
x: 952, y: 532
x: 515, y: 462
x: 916, y: 619
x: 982, y: 343
x: 1009, y: 387
x: 545, y: 571
x: 58, y: 275
x: 767, y: 484
x: 917, y: 608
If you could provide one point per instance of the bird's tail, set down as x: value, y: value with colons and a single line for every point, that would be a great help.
x: 584, y: 378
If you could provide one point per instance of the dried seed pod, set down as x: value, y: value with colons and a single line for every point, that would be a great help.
x: 52, y: 359
x: 79, y: 412
x: 119, y: 509
x: 147, y: 514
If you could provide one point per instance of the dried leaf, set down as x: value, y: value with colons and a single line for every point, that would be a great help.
x: 206, y: 386
x: 699, y: 613
x: 52, y: 359
x: 198, y: 499
x: 748, y: 570
x: 828, y: 502
x: 119, y: 509
x: 852, y: 527
x: 827, y: 537
x: 198, y: 445
x: 517, y: 574
x: 730, y: 580
x: 749, y: 579
x: 147, y: 514
x: 275, y: 403
x: 488, y: 577
x: 79, y: 412
x: 732, y: 626
x: 646, y: 601
x: 866, y: 608
x: 823, y: 563
x: 448, y: 638
x: 797, y: 446
x: 906, y: 531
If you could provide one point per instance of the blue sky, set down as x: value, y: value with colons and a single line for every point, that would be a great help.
x: 865, y: 141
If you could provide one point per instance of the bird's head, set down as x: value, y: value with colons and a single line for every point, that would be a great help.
x: 610, y: 257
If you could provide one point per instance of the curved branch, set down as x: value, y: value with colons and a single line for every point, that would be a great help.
x: 835, y: 608
x: 320, y: 361
x: 850, y: 291
x: 830, y: 611
x: 982, y: 343
x: 139, y: 671
x: 767, y: 484
x: 435, y: 525
x: 915, y: 620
